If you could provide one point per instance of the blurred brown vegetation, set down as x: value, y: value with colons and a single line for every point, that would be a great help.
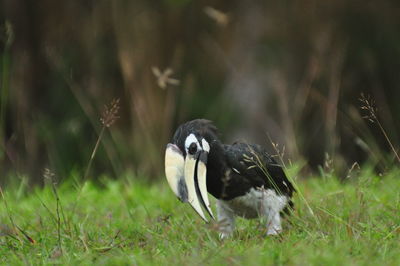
x: 291, y: 69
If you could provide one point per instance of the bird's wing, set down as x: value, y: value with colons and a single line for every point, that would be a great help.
x: 253, y: 163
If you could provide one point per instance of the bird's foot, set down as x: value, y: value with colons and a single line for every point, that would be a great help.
x: 226, y: 231
x: 274, y: 226
x: 273, y: 231
x: 225, y: 235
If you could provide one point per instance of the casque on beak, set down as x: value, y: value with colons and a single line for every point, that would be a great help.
x: 187, y: 178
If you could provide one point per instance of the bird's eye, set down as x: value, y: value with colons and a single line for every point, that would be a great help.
x: 192, y: 148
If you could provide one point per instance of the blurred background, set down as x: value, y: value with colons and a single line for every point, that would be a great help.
x: 290, y: 72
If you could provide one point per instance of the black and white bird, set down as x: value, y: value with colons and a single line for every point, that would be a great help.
x: 246, y: 180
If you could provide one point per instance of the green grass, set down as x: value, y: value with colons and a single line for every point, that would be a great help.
x: 356, y: 222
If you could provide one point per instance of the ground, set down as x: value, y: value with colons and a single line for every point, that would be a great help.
x: 351, y: 222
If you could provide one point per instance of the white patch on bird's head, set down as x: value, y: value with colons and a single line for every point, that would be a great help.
x: 189, y: 141
x: 192, y: 145
x: 205, y: 144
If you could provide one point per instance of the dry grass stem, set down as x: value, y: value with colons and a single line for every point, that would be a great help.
x: 110, y: 113
x: 280, y: 153
x: 107, y: 119
x: 49, y: 176
x: 354, y: 168
x: 328, y: 164
x: 368, y: 105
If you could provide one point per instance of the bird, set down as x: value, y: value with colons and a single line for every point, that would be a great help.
x: 245, y: 179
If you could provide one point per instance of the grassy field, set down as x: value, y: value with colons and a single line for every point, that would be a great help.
x: 356, y: 222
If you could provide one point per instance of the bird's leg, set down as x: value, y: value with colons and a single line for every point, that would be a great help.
x: 272, y: 205
x: 226, y: 219
x: 274, y: 226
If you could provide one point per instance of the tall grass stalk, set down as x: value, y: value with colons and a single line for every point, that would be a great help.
x: 107, y: 119
x: 368, y: 104
x: 59, y: 210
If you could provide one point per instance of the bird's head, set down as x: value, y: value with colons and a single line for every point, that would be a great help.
x: 186, y: 163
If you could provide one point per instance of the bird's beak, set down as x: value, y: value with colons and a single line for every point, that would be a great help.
x: 187, y: 178
x: 174, y: 166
